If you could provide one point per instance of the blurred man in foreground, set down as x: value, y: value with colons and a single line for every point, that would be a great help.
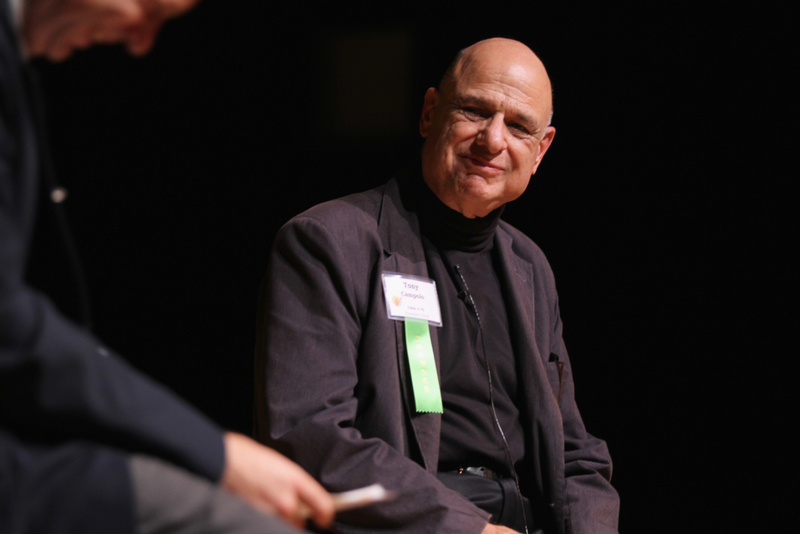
x: 88, y: 444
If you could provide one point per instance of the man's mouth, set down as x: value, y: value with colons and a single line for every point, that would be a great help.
x: 483, y: 165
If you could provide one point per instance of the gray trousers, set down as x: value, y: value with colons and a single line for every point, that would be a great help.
x: 170, y: 500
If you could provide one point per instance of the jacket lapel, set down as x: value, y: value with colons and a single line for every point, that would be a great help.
x: 402, y: 244
x: 544, y: 438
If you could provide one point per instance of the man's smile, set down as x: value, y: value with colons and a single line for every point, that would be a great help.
x: 481, y: 164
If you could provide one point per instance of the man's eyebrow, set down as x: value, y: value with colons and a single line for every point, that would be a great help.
x: 461, y: 101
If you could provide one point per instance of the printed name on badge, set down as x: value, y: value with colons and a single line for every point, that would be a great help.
x: 411, y: 297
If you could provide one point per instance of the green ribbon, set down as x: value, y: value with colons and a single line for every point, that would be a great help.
x: 424, y: 378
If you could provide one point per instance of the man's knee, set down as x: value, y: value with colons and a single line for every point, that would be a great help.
x: 170, y: 499
x: 65, y: 488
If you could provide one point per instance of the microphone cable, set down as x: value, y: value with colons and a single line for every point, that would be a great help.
x: 466, y: 296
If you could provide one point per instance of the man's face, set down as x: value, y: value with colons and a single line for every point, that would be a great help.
x: 486, y: 130
x: 56, y: 28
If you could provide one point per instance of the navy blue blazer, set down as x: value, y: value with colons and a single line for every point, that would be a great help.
x: 70, y: 408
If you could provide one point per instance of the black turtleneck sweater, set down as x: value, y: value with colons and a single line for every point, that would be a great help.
x: 469, y: 433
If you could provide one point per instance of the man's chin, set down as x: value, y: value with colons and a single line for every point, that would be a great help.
x: 475, y: 185
x: 477, y: 202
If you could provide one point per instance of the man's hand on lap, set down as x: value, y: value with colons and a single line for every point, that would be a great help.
x: 271, y: 482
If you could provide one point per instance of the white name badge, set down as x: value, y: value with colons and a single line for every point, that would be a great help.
x: 411, y: 297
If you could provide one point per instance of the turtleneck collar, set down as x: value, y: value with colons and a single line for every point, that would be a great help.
x: 446, y: 228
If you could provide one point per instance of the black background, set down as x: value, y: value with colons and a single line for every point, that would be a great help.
x: 663, y: 206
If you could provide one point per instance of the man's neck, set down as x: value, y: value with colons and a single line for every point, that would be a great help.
x: 448, y: 229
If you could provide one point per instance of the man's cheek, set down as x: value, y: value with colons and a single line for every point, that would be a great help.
x: 464, y: 130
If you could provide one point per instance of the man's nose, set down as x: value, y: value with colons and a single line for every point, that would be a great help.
x: 493, y: 136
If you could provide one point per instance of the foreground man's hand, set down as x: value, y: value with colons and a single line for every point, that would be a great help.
x: 271, y: 482
x: 498, y: 529
x: 57, y: 28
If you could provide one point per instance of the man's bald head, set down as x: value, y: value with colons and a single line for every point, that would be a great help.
x: 492, y: 48
x: 487, y: 126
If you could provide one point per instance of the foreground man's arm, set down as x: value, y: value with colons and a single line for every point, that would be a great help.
x: 59, y: 384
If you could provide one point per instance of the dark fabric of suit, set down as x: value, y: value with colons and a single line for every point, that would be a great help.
x: 69, y: 407
x: 332, y: 384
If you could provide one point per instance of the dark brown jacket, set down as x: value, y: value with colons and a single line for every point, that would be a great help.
x: 332, y: 385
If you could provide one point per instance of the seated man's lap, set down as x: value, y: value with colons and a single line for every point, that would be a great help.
x: 70, y: 487
x: 170, y: 499
x: 80, y: 487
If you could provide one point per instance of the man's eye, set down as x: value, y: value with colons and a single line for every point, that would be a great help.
x: 518, y: 128
x: 474, y: 113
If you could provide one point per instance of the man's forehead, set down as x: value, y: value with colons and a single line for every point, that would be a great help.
x: 498, y: 85
x: 520, y: 76
x: 495, y: 90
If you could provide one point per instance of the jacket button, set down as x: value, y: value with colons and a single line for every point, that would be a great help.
x: 58, y: 195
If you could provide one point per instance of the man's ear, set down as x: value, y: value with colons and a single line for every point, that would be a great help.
x: 428, y: 107
x: 544, y: 144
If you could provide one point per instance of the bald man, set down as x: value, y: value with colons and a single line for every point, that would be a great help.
x: 409, y: 337
x: 88, y: 444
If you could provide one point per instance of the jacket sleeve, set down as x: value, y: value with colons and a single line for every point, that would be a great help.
x: 308, y: 363
x: 57, y: 382
x: 592, y: 503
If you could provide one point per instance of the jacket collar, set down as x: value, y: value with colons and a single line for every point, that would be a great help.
x: 399, y: 227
